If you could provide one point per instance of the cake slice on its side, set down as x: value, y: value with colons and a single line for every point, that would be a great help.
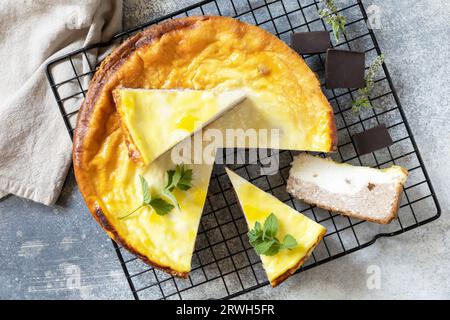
x: 154, y: 121
x: 359, y: 192
x: 257, y: 206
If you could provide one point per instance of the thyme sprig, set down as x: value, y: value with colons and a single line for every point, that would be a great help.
x: 363, y: 100
x: 332, y: 17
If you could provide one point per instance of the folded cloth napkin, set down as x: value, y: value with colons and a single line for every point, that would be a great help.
x: 35, y: 148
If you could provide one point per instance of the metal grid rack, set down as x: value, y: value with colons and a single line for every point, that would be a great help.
x: 224, y: 265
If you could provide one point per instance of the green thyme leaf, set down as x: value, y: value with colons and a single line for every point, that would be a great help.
x: 363, y: 99
x: 161, y: 206
x: 332, y: 17
x: 264, y: 240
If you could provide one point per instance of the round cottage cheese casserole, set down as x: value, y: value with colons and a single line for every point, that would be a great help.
x: 190, y: 53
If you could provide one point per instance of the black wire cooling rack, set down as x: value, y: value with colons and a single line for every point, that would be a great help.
x: 224, y: 265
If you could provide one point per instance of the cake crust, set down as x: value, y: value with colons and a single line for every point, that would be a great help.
x: 292, y: 270
x: 97, y: 118
x: 86, y: 117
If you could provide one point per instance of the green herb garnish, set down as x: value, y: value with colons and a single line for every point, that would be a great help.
x: 179, y: 178
x: 332, y: 17
x: 363, y: 100
x: 264, y: 240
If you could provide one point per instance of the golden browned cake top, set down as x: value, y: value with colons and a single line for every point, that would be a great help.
x: 190, y: 53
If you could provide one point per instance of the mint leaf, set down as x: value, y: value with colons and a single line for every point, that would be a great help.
x: 273, y: 250
x: 169, y: 185
x: 145, y: 191
x: 264, y: 246
x: 255, y: 234
x: 169, y: 195
x: 161, y: 206
x: 263, y: 238
x: 179, y: 178
x: 289, y: 242
x: 270, y: 227
x: 185, y: 181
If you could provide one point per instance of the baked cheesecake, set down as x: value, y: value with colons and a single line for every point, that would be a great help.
x: 359, y: 192
x: 257, y: 206
x: 169, y: 115
x: 197, y: 53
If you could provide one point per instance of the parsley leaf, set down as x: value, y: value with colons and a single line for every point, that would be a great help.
x: 363, y: 100
x: 332, y: 17
x: 264, y: 240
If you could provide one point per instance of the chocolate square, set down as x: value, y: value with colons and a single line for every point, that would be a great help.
x: 372, y: 140
x: 344, y: 69
x: 310, y: 42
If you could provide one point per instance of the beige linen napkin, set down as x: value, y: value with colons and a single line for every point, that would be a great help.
x: 35, y: 148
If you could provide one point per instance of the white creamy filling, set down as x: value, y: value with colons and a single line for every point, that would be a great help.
x: 341, y: 178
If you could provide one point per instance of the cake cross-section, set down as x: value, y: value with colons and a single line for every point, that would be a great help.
x: 360, y: 192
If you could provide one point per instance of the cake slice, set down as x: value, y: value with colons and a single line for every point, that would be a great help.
x: 257, y: 206
x: 359, y: 192
x: 154, y: 121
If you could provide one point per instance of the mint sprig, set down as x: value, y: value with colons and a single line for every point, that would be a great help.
x: 180, y: 178
x: 159, y: 205
x: 264, y: 240
x: 332, y: 17
x: 363, y: 100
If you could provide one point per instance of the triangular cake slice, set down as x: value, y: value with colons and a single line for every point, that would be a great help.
x: 154, y: 121
x: 257, y: 205
x: 359, y: 192
x: 164, y: 241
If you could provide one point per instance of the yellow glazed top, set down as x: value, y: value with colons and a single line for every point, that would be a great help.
x: 169, y: 115
x: 201, y: 53
x: 257, y: 206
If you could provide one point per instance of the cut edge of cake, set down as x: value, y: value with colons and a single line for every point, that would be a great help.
x: 226, y: 101
x: 359, y: 192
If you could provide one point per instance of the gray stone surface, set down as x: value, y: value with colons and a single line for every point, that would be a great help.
x: 43, y: 249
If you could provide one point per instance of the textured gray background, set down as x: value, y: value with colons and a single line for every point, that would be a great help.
x: 42, y: 249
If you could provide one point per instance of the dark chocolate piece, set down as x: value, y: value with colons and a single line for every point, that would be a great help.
x: 310, y: 42
x: 372, y: 140
x: 344, y: 69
